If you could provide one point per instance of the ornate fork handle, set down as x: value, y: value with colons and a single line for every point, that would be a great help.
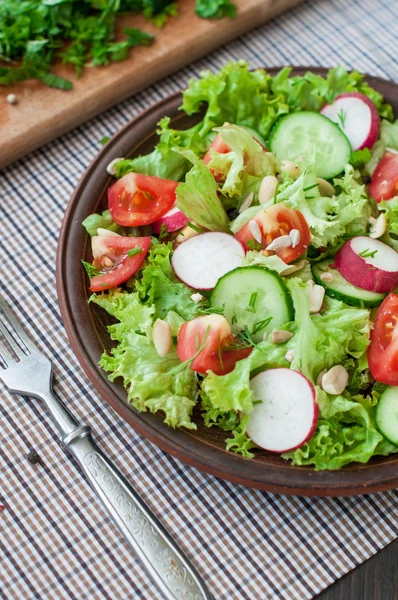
x: 164, y: 561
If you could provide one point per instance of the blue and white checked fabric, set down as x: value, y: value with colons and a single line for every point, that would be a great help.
x: 56, y: 541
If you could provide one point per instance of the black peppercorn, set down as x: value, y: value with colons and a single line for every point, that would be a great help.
x: 366, y: 179
x: 33, y: 457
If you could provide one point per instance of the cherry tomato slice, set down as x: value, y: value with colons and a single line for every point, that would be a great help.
x: 383, y: 349
x: 275, y: 221
x: 111, y: 257
x: 384, y: 184
x: 207, y: 338
x: 219, y: 146
x: 137, y: 199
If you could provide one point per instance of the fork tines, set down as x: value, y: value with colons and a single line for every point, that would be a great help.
x: 12, y: 336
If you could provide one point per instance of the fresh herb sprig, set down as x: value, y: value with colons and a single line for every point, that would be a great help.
x: 368, y: 253
x: 35, y: 33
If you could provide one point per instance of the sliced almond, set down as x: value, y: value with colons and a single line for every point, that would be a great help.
x: 197, y: 297
x: 335, y: 380
x: 255, y: 231
x: 295, y: 237
x: 247, y: 202
x: 161, y: 336
x: 186, y: 233
x: 279, y: 336
x: 378, y: 228
x: 283, y: 241
x: 111, y: 167
x: 316, y: 294
x: 288, y: 166
x: 325, y: 188
x: 267, y: 189
x: 289, y: 356
x: 327, y: 277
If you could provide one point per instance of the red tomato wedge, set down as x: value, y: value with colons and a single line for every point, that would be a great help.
x: 275, y: 221
x: 384, y: 184
x: 220, y: 146
x: 207, y: 339
x: 111, y: 257
x: 140, y: 200
x: 383, y: 349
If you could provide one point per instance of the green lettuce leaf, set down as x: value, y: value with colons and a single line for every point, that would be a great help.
x: 104, y: 221
x: 242, y: 169
x: 389, y: 134
x: 346, y: 432
x: 198, y: 199
x: 163, y: 162
x: 328, y: 218
x: 148, y: 378
x: 158, y: 286
x: 234, y: 95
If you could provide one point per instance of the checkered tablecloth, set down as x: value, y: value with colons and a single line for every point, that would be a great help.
x: 56, y: 542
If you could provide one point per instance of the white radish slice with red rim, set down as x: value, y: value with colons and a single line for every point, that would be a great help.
x: 357, y: 117
x: 202, y: 260
x: 369, y: 264
x: 173, y: 220
x: 287, y: 415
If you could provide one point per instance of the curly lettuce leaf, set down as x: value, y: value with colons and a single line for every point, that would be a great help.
x: 389, y: 134
x: 158, y: 286
x: 242, y: 169
x: 345, y: 213
x: 148, y: 378
x: 198, y: 199
x: 163, y: 162
x: 104, y: 221
x: 234, y: 95
x: 346, y: 433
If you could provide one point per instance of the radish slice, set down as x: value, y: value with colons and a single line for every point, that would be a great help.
x: 202, y: 260
x: 287, y: 416
x: 368, y: 264
x: 357, y: 117
x: 173, y: 220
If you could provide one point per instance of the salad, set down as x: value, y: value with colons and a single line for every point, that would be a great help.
x: 250, y: 263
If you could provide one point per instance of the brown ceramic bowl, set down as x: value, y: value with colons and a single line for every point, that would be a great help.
x: 86, y: 328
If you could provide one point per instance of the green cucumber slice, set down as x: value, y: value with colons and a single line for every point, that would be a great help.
x: 341, y: 289
x: 301, y: 134
x: 387, y: 414
x: 251, y: 295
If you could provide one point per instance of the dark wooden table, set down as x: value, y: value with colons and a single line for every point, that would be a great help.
x: 375, y: 579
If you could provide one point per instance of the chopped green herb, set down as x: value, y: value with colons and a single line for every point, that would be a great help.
x: 104, y: 140
x: 310, y: 187
x: 215, y: 9
x: 163, y: 231
x: 213, y: 310
x: 252, y: 302
x: 368, y: 253
x: 195, y: 227
x: 342, y: 115
x: 90, y: 269
x: 234, y: 320
x: 257, y: 402
x: 260, y: 325
x: 134, y: 251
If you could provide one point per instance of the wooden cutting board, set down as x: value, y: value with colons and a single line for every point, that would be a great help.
x: 43, y: 113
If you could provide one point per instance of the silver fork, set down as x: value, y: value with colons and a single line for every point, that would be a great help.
x: 28, y: 372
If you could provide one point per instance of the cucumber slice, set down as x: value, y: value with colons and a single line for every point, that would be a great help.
x: 302, y: 134
x: 251, y: 295
x: 387, y: 414
x: 341, y: 289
